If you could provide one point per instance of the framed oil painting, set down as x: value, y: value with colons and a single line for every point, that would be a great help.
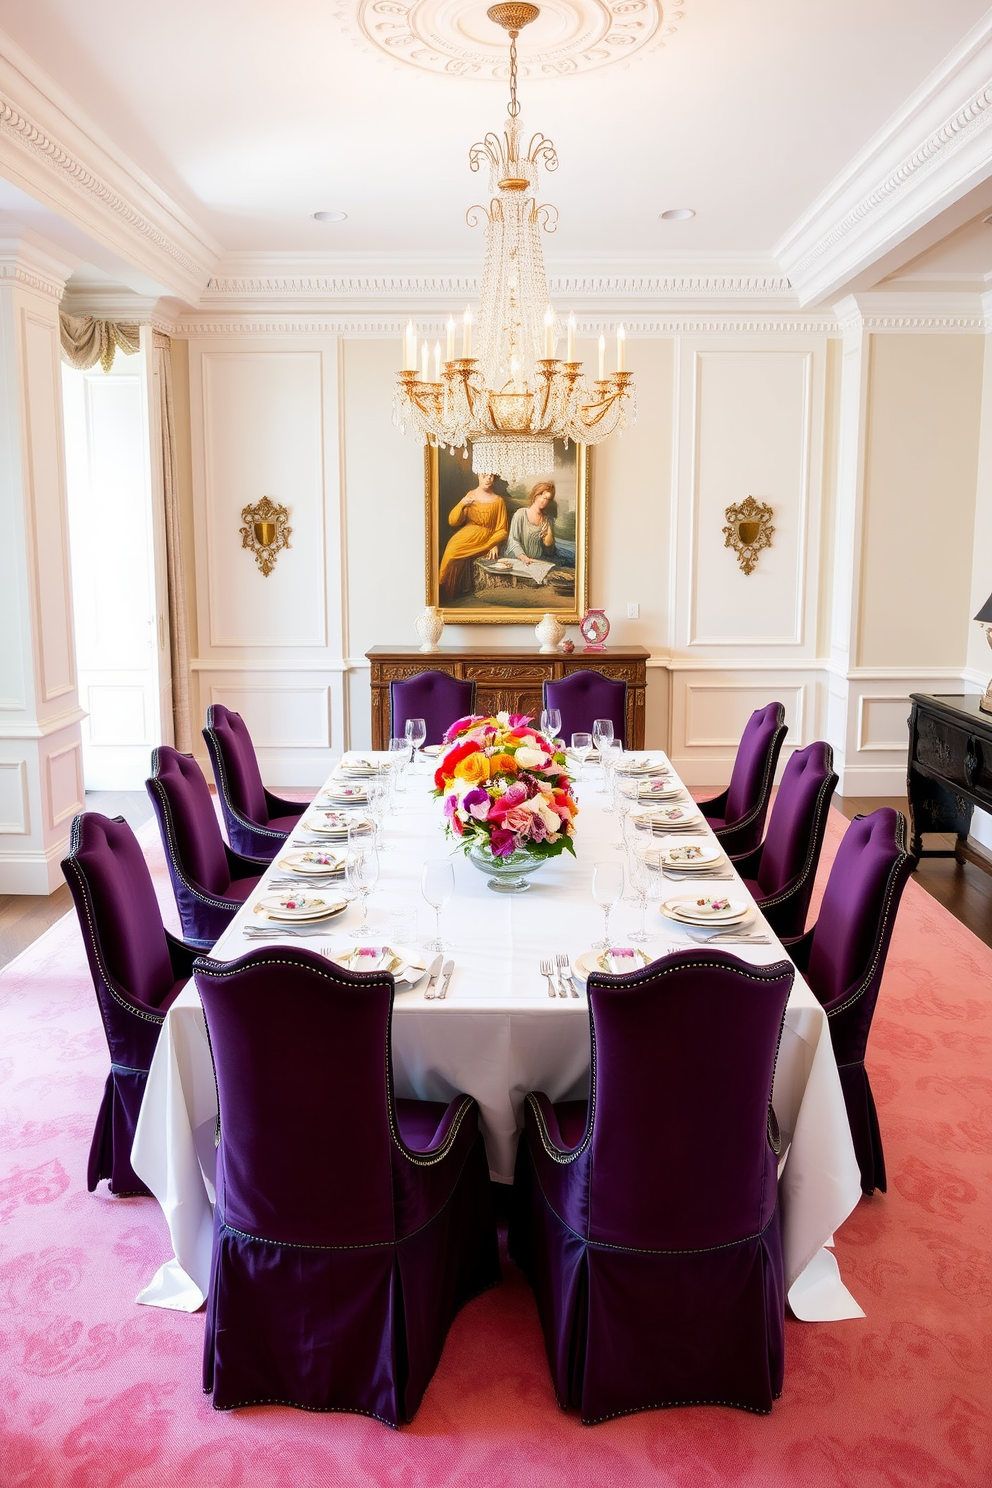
x: 506, y: 555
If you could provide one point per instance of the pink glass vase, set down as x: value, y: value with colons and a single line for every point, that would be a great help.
x: 595, y: 628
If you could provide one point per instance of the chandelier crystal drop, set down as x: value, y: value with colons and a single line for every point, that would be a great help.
x: 514, y: 398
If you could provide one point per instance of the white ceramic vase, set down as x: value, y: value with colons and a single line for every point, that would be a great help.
x: 429, y: 626
x: 549, y: 632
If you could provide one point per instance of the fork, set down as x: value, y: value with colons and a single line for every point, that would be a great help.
x: 548, y: 970
x: 565, y: 973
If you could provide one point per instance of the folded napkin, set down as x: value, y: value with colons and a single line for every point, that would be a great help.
x: 621, y: 959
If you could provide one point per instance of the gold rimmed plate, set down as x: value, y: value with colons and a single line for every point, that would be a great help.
x: 289, y: 908
x: 706, y: 909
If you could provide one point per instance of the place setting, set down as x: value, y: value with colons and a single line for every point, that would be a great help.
x: 715, y: 918
x: 324, y: 822
x: 289, y: 913
x: 668, y: 817
x: 690, y: 860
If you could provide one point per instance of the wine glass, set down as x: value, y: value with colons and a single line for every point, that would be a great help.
x: 437, y: 884
x: 416, y: 734
x: 611, y: 755
x: 376, y: 794
x: 361, y: 870
x: 399, y: 758
x: 602, y: 738
x: 623, y: 800
x: 551, y: 722
x: 607, y: 887
x: 581, y: 748
x: 641, y: 878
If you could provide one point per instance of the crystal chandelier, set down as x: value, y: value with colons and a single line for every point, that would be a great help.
x: 515, y: 398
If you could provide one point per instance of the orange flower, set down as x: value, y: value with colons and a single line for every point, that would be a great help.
x: 503, y: 764
x: 474, y: 768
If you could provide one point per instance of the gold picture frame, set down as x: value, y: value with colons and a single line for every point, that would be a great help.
x: 470, y: 587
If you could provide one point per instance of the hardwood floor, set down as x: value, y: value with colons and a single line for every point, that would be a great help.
x: 962, y: 888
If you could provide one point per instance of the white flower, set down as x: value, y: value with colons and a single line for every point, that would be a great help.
x: 531, y: 759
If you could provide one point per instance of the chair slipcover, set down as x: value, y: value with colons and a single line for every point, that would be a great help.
x: 435, y: 697
x: 843, y: 957
x: 582, y: 697
x: 647, y: 1221
x: 737, y: 815
x: 209, y: 879
x: 137, y: 967
x: 257, y: 822
x: 349, y: 1226
x: 781, y: 872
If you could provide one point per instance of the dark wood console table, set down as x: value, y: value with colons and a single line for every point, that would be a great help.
x: 507, y: 678
x: 950, y: 772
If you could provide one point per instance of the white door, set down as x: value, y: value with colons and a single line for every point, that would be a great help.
x: 121, y: 631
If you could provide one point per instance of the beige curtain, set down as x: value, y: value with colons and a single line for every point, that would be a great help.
x: 86, y: 341
x: 179, y: 634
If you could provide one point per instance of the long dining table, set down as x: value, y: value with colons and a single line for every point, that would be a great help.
x: 497, y: 1035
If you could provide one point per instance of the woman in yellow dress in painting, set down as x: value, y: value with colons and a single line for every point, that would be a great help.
x: 481, y: 519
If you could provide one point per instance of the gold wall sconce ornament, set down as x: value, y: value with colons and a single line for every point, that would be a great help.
x: 749, y: 529
x: 265, y: 532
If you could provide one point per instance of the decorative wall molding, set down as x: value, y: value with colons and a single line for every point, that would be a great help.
x: 940, y: 313
x: 377, y: 288
x: 888, y: 191
x: 588, y: 324
x: 60, y: 157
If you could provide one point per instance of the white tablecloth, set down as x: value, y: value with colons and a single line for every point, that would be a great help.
x: 497, y: 1036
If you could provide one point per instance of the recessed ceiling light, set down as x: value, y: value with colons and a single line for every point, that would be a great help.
x: 677, y: 214
x: 329, y: 216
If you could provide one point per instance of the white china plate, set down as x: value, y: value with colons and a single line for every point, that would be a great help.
x: 327, y: 823
x: 407, y: 966
x: 594, y: 961
x: 689, y: 910
x: 433, y: 749
x: 671, y: 817
x: 658, y: 766
x: 308, y: 907
x: 685, y: 856
x: 296, y: 862
x: 354, y: 795
x: 659, y: 790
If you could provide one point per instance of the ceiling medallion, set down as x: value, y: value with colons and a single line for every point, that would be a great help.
x: 570, y: 36
x: 513, y: 397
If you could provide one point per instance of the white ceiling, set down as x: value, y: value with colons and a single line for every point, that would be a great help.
x: 251, y: 115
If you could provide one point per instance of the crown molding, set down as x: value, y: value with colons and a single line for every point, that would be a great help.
x: 939, y: 314
x: 28, y: 262
x: 929, y: 155
x: 391, y: 325
x: 64, y: 161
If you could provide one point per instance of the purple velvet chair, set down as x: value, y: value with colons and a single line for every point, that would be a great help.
x: 582, y: 697
x: 138, y: 969
x: 843, y: 957
x: 257, y: 822
x: 350, y: 1226
x: 435, y: 697
x: 647, y: 1219
x: 737, y: 815
x: 209, y: 879
x: 781, y: 872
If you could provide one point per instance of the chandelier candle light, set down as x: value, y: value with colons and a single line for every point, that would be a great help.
x: 515, y: 398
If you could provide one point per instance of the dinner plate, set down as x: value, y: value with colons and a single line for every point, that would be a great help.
x: 317, y: 860
x: 700, y: 909
x: 346, y: 795
x: 671, y: 817
x: 659, y: 790
x: 685, y: 856
x: 595, y: 961
x: 433, y: 749
x: 407, y: 966
x: 361, y: 768
x: 327, y: 823
x: 295, y: 907
x: 656, y: 766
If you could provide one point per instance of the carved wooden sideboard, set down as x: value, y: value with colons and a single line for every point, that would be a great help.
x: 950, y: 771
x: 507, y: 677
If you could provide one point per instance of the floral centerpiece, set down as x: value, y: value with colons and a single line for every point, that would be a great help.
x: 507, y: 793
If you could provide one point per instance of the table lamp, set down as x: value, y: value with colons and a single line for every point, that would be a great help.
x: 985, y: 616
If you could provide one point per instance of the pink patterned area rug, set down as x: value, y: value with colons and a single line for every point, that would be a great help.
x: 98, y: 1392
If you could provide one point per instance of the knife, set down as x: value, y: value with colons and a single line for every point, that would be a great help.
x: 449, y: 967
x: 434, y: 972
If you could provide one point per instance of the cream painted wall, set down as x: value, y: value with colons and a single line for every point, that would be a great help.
x: 924, y: 416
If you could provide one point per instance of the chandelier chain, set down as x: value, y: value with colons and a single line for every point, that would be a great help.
x: 514, y: 108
